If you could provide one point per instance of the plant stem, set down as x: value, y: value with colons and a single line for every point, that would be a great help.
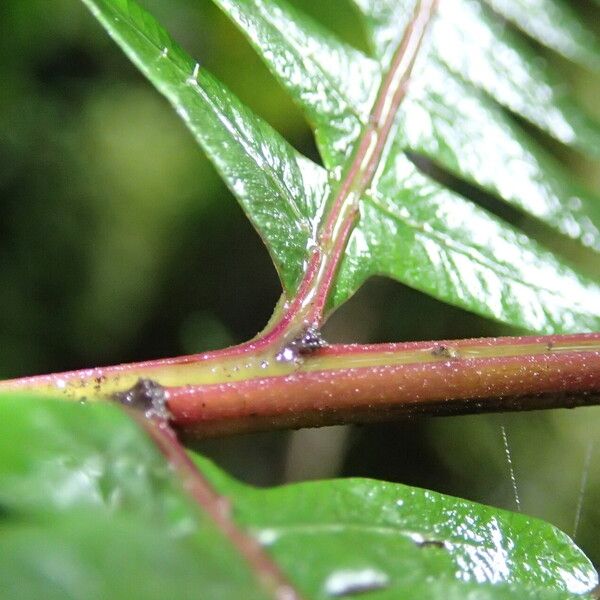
x: 306, y: 309
x: 221, y: 393
x: 385, y: 382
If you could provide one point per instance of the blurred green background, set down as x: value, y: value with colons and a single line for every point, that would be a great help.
x: 118, y: 242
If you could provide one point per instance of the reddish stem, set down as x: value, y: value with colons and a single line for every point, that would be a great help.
x: 307, y: 307
x: 391, y: 380
x: 354, y: 383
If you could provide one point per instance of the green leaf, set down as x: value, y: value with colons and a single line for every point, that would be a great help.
x: 443, y: 245
x: 478, y: 47
x: 411, y: 538
x: 332, y: 82
x: 442, y: 117
x: 90, y: 509
x: 280, y: 190
x: 553, y: 23
x: 410, y: 227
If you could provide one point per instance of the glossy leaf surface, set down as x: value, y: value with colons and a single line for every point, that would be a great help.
x: 411, y: 539
x: 472, y: 42
x: 441, y: 244
x: 478, y: 47
x: 280, y: 190
x: 410, y: 227
x: 553, y: 24
x: 90, y: 509
x: 442, y: 117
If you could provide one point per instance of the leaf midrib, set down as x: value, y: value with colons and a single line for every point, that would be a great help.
x: 373, y: 141
x: 341, y: 219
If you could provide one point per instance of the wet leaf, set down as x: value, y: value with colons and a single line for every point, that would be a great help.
x: 443, y: 117
x: 280, y: 190
x: 410, y: 539
x: 90, y: 509
x: 553, y: 24
x: 469, y: 69
x: 472, y: 43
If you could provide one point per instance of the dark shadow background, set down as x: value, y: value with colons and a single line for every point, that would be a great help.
x: 118, y: 242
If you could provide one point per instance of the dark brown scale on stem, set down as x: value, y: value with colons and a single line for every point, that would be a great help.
x: 304, y: 345
x: 310, y: 341
x: 445, y: 352
x: 146, y: 396
x: 98, y: 382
